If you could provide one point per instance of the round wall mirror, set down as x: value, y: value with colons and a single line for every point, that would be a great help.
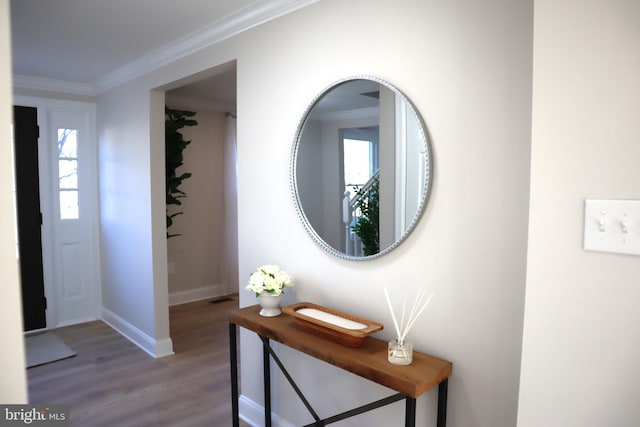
x: 361, y: 168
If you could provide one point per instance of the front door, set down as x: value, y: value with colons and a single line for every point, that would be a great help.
x: 29, y: 217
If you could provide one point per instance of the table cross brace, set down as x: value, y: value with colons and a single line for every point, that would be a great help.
x: 268, y: 351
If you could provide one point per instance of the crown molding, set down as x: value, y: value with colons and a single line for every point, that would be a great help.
x: 244, y: 19
x: 51, y: 85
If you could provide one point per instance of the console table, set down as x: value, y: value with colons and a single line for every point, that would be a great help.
x: 368, y: 361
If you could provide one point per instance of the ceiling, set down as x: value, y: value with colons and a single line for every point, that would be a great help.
x: 97, y: 42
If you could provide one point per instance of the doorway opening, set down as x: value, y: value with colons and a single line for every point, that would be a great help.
x: 202, y: 261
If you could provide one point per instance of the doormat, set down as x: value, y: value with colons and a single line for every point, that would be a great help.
x: 45, y: 348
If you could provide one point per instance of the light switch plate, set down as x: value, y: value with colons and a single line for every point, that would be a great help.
x: 612, y: 226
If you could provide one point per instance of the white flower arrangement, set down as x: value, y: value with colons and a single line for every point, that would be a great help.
x: 270, y: 279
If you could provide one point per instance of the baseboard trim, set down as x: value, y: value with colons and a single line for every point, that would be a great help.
x: 155, y: 348
x: 253, y: 413
x: 198, y: 294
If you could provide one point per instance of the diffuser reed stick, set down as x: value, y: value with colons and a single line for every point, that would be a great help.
x: 419, y: 305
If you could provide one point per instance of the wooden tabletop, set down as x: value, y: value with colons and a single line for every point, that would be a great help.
x: 368, y: 361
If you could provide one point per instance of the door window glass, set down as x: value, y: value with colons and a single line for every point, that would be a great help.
x: 68, y: 173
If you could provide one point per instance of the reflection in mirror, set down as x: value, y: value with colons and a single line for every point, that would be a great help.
x: 361, y: 168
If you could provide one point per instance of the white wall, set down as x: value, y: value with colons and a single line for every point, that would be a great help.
x: 132, y: 223
x: 13, y: 387
x: 197, y: 255
x: 582, y: 324
x: 467, y: 67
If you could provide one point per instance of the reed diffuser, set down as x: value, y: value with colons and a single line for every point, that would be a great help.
x: 400, y: 350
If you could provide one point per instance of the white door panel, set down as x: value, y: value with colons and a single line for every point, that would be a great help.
x: 75, y: 238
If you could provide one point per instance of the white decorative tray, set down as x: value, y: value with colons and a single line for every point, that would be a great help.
x: 332, y: 324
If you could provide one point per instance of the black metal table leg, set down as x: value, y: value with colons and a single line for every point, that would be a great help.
x: 233, y: 355
x: 266, y: 366
x: 410, y: 412
x: 442, y: 403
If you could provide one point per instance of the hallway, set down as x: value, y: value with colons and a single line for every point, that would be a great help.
x: 111, y: 382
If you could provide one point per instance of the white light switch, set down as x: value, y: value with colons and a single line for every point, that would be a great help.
x: 612, y: 226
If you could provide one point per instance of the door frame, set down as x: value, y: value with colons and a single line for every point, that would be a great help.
x: 52, y: 264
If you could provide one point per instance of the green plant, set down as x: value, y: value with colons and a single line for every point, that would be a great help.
x: 367, y: 225
x: 174, y: 145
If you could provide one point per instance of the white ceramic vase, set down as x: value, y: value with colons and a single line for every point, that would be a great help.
x: 270, y: 304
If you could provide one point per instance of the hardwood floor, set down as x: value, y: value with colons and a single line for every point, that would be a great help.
x: 112, y: 383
